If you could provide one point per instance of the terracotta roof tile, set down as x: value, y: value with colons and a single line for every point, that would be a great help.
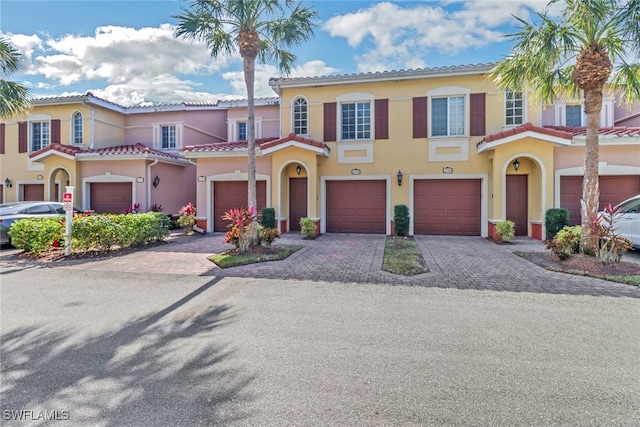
x: 526, y: 128
x: 224, y: 146
x: 296, y: 138
x: 65, y: 149
x: 120, y: 150
x: 620, y: 131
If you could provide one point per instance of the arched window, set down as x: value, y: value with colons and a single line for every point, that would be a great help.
x: 300, y: 117
x: 77, y: 128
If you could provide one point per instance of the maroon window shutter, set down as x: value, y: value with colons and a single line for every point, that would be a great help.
x: 55, y: 131
x: 478, y: 114
x: 382, y: 119
x: 420, y: 117
x: 22, y: 137
x: 330, y: 123
x: 1, y: 138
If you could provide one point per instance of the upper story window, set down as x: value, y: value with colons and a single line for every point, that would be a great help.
x: 448, y: 116
x: 169, y: 136
x: 40, y: 135
x: 77, y: 128
x: 514, y: 108
x: 355, y: 120
x: 300, y: 116
x: 241, y: 131
x: 573, y: 115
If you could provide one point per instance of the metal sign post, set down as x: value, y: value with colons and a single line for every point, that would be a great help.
x: 67, y: 205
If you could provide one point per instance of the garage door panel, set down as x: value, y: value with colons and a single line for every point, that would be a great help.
x: 356, y: 206
x: 33, y: 192
x: 613, y: 190
x: 110, y: 197
x: 447, y: 207
x: 234, y: 194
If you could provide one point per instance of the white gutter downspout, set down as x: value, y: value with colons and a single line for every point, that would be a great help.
x: 155, y: 162
x: 93, y: 124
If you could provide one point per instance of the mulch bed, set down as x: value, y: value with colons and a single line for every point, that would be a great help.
x: 256, y: 251
x: 583, y: 263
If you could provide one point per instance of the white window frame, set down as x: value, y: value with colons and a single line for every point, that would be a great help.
x: 606, y: 115
x: 171, y: 137
x: 509, y: 111
x: 449, y: 92
x: 232, y: 127
x: 77, y: 133
x: 298, y: 124
x: 157, y: 135
x: 38, y: 118
x: 356, y: 98
x: 239, y: 126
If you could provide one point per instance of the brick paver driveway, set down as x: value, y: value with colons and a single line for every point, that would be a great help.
x: 454, y: 262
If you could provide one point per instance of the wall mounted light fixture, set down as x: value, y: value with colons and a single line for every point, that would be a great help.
x: 516, y: 164
x: 7, y: 183
x: 399, y: 175
x: 298, y: 169
x: 156, y: 181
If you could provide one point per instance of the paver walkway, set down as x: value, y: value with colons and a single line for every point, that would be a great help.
x: 454, y: 262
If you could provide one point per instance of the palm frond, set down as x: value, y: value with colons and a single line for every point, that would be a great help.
x: 14, y: 99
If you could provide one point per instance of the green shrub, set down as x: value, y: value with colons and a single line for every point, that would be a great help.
x: 554, y: 220
x: 307, y: 227
x: 36, y: 235
x: 267, y: 235
x: 401, y: 219
x: 566, y: 242
x: 506, y: 229
x: 268, y: 218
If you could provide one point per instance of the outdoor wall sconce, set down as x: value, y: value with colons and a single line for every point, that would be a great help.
x: 202, y: 178
x: 7, y: 183
x: 399, y: 175
x: 516, y: 164
x: 140, y: 179
x: 156, y: 181
x: 298, y: 169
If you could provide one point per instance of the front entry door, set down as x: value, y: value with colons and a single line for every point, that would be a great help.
x: 297, y: 202
x: 517, y: 205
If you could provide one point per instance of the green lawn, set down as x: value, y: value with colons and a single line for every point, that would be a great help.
x: 402, y: 256
x: 259, y: 254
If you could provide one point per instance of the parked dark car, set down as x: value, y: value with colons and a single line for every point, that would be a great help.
x: 11, y: 212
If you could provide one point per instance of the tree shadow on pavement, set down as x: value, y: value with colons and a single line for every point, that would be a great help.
x: 154, y: 370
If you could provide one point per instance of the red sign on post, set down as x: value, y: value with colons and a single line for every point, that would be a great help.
x: 67, y: 201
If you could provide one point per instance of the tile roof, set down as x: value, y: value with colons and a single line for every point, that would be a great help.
x: 296, y: 138
x: 224, y: 146
x: 118, y: 151
x: 411, y: 73
x: 527, y: 127
x: 619, y: 131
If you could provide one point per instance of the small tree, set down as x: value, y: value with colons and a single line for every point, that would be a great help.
x: 401, y: 219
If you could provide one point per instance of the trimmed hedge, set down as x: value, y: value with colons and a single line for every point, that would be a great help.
x: 401, y: 219
x: 268, y: 218
x: 91, y: 232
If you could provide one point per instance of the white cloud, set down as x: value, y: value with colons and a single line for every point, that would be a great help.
x: 403, y: 37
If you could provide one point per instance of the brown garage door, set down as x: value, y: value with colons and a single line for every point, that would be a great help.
x: 111, y: 197
x: 356, y: 206
x: 233, y: 194
x: 613, y: 190
x: 447, y: 207
x: 33, y: 192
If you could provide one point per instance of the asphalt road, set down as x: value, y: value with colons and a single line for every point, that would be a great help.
x: 121, y: 349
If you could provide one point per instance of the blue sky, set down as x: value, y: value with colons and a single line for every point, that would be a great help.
x: 124, y: 51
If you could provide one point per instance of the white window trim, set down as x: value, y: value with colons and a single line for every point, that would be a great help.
x: 232, y: 127
x: 293, y: 114
x: 606, y: 115
x: 157, y: 135
x: 351, y: 98
x: 36, y: 118
x: 450, y: 91
x: 73, y: 127
x: 524, y: 110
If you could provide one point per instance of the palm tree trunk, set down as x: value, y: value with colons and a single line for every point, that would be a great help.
x: 590, y: 187
x: 249, y: 78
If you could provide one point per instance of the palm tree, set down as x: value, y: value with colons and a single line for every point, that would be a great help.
x: 13, y: 96
x: 573, y: 55
x: 260, y: 29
